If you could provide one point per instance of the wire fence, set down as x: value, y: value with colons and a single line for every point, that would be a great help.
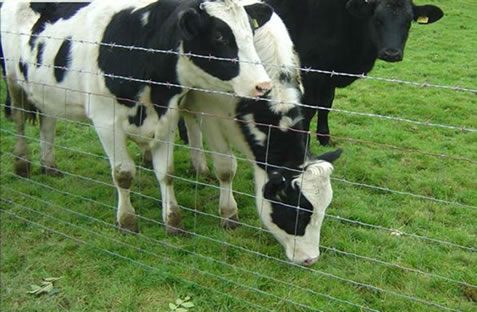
x: 75, y: 224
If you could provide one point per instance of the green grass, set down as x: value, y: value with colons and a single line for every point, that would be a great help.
x: 150, y: 275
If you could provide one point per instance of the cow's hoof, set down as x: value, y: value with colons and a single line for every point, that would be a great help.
x: 22, y: 168
x: 128, y: 225
x: 174, y: 225
x: 324, y: 139
x: 51, y: 171
x: 230, y: 223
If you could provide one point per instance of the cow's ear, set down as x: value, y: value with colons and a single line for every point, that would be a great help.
x: 276, y: 183
x: 427, y: 14
x: 189, y: 24
x: 260, y: 13
x: 361, y: 8
x: 331, y: 156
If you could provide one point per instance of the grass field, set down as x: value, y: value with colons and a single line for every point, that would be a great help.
x: 360, y: 266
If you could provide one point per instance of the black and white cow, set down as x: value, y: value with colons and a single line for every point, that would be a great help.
x: 292, y: 187
x: 346, y: 36
x: 60, y: 70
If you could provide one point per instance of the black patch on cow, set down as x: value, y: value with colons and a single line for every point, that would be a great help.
x: 39, y: 54
x: 284, y: 152
x: 50, y: 13
x: 285, y: 213
x: 23, y: 69
x: 63, y: 60
x: 274, y: 155
x: 140, y: 116
x: 344, y: 36
x: 118, y: 64
x: 218, y: 42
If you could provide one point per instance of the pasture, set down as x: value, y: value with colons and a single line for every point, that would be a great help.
x: 400, y: 234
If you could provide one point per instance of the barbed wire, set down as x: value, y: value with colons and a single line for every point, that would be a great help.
x: 331, y: 249
x: 339, y: 218
x: 229, y: 94
x: 235, y: 60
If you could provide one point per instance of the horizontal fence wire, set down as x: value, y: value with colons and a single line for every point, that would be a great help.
x: 163, y: 257
x: 210, y: 259
x: 331, y: 249
x: 202, y: 114
x: 234, y: 60
x: 197, y: 183
x: 116, y: 255
x: 335, y: 217
x: 402, y: 296
x: 319, y: 272
x: 215, y: 92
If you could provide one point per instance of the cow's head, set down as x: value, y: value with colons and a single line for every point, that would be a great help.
x: 224, y: 29
x: 389, y: 22
x: 295, y: 206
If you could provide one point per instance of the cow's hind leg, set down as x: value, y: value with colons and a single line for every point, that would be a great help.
x: 47, y: 135
x: 225, y: 166
x: 162, y: 156
x: 194, y: 133
x: 19, y: 115
x: 123, y: 170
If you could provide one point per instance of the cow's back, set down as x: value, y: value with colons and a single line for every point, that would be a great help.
x: 51, y: 51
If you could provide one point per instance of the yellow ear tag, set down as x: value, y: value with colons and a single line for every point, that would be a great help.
x: 255, y: 23
x: 423, y: 20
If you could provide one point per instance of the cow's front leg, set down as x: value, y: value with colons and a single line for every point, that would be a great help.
x: 163, y: 160
x: 123, y: 170
x: 325, y: 100
x: 197, y: 155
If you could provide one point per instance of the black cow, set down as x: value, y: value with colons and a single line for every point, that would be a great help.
x: 346, y: 36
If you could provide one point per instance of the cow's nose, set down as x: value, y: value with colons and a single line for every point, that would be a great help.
x: 263, y: 88
x: 310, y: 261
x: 391, y: 55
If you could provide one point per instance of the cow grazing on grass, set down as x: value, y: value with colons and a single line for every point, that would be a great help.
x: 60, y: 70
x: 292, y: 187
x: 346, y: 36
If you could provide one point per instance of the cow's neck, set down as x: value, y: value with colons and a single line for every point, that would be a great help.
x: 346, y: 43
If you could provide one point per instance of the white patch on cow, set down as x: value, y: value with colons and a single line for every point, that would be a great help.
x: 145, y: 18
x: 259, y: 137
x: 252, y: 71
x: 278, y: 56
x: 315, y: 185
